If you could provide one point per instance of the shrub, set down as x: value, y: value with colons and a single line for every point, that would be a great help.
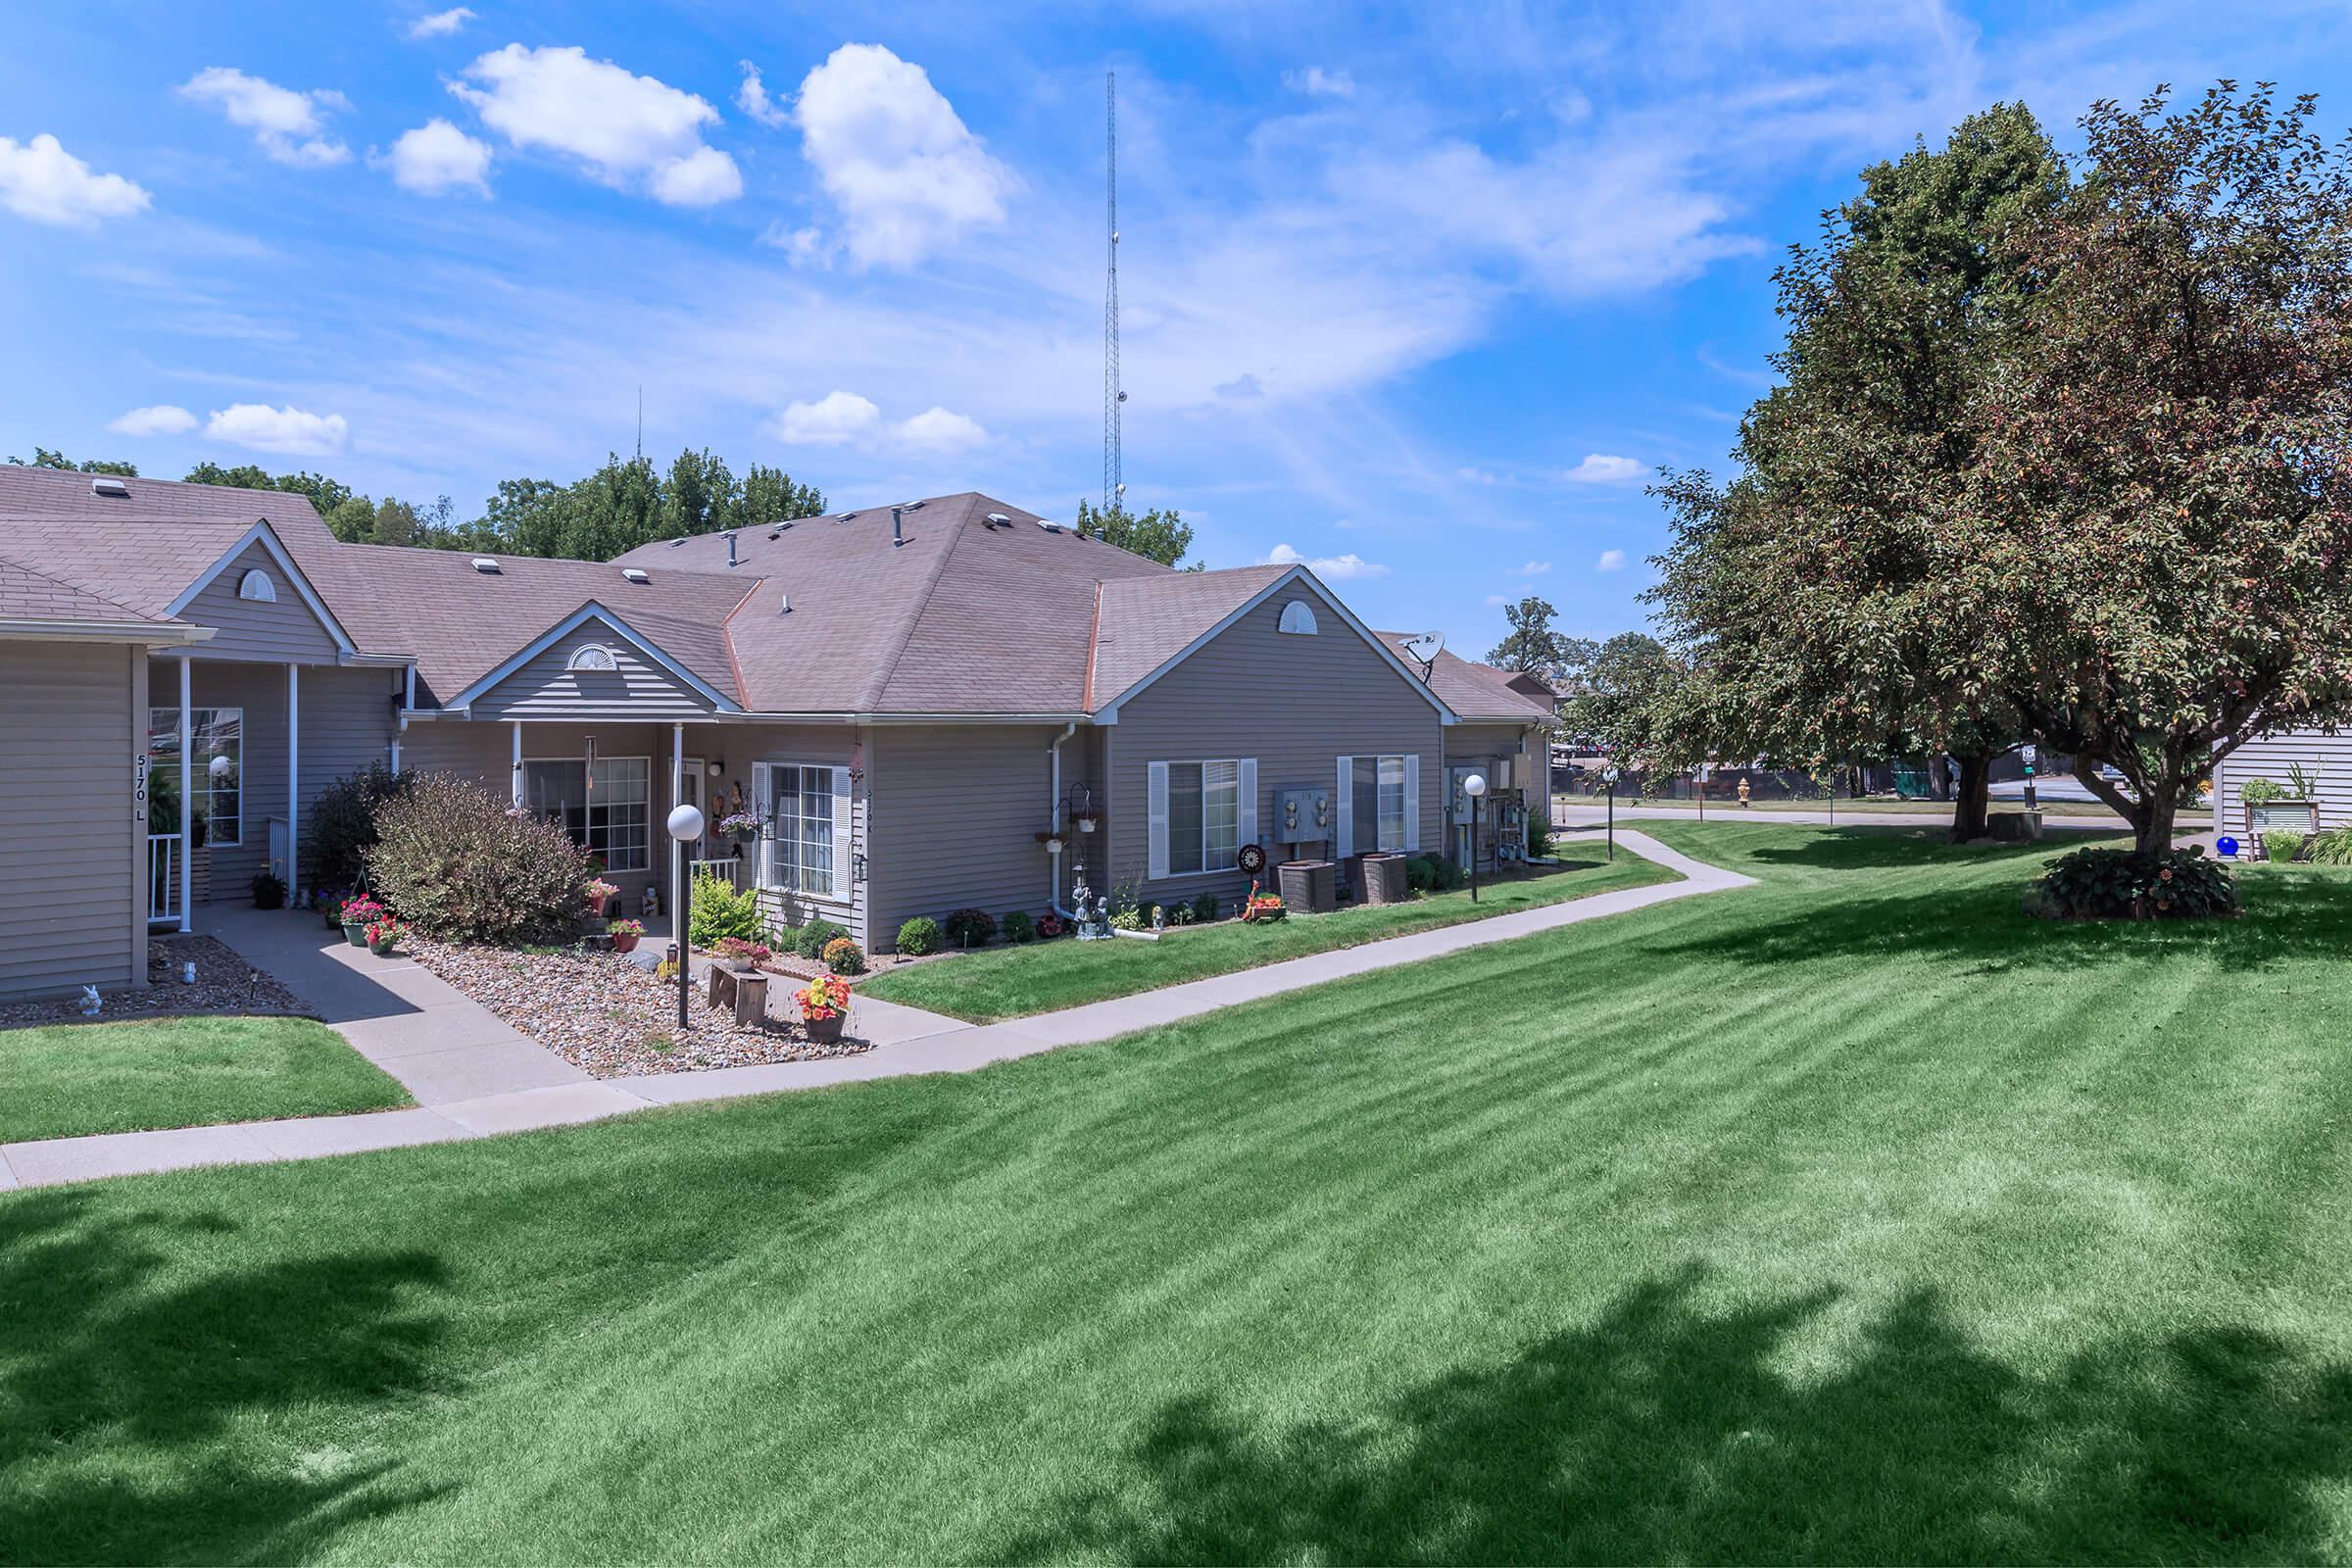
x: 2095, y: 884
x: 1050, y: 925
x: 844, y: 956
x: 268, y: 892
x: 1205, y: 907
x: 720, y: 911
x: 341, y: 826
x: 969, y: 928
x: 2255, y: 791
x: 1016, y: 926
x: 1446, y: 875
x: 1420, y: 873
x: 810, y: 943
x: 463, y: 868
x: 918, y: 936
x: 2282, y: 845
x: 1128, y: 917
x: 1539, y: 839
x: 2331, y: 848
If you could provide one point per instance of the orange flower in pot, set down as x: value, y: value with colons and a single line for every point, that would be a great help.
x: 824, y: 1007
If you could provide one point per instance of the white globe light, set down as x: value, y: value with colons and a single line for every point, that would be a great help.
x: 686, y: 823
x: 1475, y: 785
x: 219, y: 766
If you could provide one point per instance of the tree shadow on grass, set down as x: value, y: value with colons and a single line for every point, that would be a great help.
x: 124, y: 1370
x: 1876, y: 848
x: 1667, y: 1432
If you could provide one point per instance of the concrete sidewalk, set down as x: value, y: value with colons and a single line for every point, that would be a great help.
x: 473, y: 1076
x: 1580, y: 814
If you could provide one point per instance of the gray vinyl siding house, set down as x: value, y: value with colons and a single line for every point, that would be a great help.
x: 2324, y: 758
x: 911, y: 701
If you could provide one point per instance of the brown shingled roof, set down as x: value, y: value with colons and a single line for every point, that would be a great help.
x: 29, y: 595
x: 1147, y: 621
x: 65, y: 492
x: 1473, y: 690
x: 143, y: 562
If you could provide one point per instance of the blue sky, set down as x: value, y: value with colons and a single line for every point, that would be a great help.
x: 1423, y: 299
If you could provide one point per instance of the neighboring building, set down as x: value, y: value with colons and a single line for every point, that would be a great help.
x: 2322, y: 759
x: 912, y: 700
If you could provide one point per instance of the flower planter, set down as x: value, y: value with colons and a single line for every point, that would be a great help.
x: 824, y: 1031
x: 625, y: 941
x: 355, y: 933
x: 382, y: 949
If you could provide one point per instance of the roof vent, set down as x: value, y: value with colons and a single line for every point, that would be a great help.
x: 675, y: 543
x: 784, y: 603
x: 636, y: 574
x: 729, y: 537
x: 897, y: 532
x: 107, y: 484
x: 998, y: 520
x: 845, y: 517
x: 485, y: 565
x: 1048, y: 524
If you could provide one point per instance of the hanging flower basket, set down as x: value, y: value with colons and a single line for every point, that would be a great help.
x: 740, y: 827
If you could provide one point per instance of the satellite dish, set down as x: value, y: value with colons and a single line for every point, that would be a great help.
x: 1426, y: 647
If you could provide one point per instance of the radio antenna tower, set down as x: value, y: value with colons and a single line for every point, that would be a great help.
x: 1115, y: 485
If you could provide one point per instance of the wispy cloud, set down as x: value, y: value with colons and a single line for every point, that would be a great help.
x: 1610, y: 561
x: 1317, y: 83
x: 1602, y: 468
x: 1532, y: 568
x: 1338, y: 569
x: 160, y: 418
x: 289, y: 125
x: 441, y: 24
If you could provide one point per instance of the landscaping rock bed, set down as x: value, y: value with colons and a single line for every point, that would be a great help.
x: 224, y: 984
x: 611, y: 1018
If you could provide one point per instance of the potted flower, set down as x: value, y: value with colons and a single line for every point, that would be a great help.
x: 268, y: 892
x: 625, y: 934
x: 1086, y: 817
x: 824, y: 1007
x: 329, y: 904
x: 598, y: 892
x: 383, y: 934
x: 741, y: 955
x: 356, y: 915
x: 740, y: 825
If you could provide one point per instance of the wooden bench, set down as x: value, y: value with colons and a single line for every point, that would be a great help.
x: 745, y: 994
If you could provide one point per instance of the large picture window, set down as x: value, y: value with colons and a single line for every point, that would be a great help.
x: 1204, y: 816
x: 800, y: 826
x: 220, y: 809
x: 611, y: 820
x: 1376, y: 788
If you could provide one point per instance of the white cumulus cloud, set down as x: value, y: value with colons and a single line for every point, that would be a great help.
x: 158, y: 418
x: 1610, y: 561
x: 753, y: 99
x: 844, y: 418
x: 631, y: 132
x: 1338, y: 569
x: 436, y: 158
x: 39, y: 180
x: 1533, y: 569
x: 289, y: 125
x: 290, y: 430
x: 441, y: 24
x: 892, y: 152
x: 939, y: 431
x: 1601, y: 469
x: 1316, y: 82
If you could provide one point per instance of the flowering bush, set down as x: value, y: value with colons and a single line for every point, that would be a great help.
x: 1049, y: 926
x: 844, y: 956
x: 627, y: 928
x: 740, y: 824
x: 361, y: 909
x: 741, y: 950
x: 822, y: 997
x: 384, y: 933
x: 2134, y: 885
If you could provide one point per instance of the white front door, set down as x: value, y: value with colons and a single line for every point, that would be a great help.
x: 691, y: 792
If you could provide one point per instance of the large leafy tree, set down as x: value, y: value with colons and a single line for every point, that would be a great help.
x: 45, y: 458
x: 1531, y: 644
x: 2167, y: 475
x: 1155, y: 536
x: 1808, y: 594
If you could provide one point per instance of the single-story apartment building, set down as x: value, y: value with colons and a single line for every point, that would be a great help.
x: 2323, y: 762
x: 947, y: 703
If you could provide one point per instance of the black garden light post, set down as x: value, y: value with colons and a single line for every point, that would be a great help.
x: 1475, y: 786
x: 685, y: 828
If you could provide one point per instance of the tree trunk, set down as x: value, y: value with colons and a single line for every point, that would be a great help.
x: 1972, y: 806
x: 2152, y: 824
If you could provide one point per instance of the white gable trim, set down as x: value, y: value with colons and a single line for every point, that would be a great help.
x: 1298, y: 576
x: 591, y: 611
x: 263, y: 534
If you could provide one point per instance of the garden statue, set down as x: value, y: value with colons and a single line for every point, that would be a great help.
x: 1093, y: 912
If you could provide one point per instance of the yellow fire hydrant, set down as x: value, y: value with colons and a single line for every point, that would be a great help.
x: 1743, y: 792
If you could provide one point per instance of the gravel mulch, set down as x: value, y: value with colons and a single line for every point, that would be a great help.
x: 225, y: 984
x: 611, y: 1018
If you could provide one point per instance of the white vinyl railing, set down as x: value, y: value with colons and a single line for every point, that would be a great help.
x: 163, y: 878
x: 729, y: 869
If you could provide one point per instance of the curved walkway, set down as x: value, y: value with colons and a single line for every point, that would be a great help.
x: 473, y: 1076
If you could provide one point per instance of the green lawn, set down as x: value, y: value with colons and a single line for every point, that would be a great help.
x: 1845, y: 806
x: 1850, y: 1218
x: 1009, y: 982
x: 65, y: 1080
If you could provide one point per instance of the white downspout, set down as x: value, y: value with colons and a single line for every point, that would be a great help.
x: 516, y: 728
x: 293, y: 777
x: 1054, y: 816
x: 187, y: 795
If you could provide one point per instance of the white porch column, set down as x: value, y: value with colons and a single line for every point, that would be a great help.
x: 187, y: 793
x: 516, y: 728
x: 678, y: 855
x: 293, y: 779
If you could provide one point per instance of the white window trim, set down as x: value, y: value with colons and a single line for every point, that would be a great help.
x: 652, y: 822
x: 204, y: 775
x: 1245, y: 814
x: 766, y: 871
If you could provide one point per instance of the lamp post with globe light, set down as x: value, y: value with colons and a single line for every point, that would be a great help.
x: 1475, y: 786
x: 685, y: 829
